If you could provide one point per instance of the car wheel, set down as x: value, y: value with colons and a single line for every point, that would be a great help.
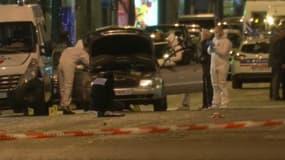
x: 160, y: 105
x: 236, y: 84
x: 38, y: 96
x: 81, y: 94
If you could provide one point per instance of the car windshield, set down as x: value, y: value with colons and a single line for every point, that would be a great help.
x: 17, y: 37
x: 255, y: 48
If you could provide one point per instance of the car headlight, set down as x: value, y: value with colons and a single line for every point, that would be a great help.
x: 31, y: 73
x: 146, y: 83
x: 155, y: 82
x: 166, y: 55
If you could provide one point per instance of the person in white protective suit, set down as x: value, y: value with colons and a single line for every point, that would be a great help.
x: 70, y: 57
x: 173, y: 42
x: 176, y: 48
x: 219, y: 51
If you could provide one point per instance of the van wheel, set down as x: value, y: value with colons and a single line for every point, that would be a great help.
x: 38, y: 96
x: 160, y: 105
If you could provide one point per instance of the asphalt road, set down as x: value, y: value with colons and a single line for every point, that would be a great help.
x: 248, y: 104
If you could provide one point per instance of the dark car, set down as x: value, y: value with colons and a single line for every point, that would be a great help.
x: 128, y: 52
x: 182, y: 75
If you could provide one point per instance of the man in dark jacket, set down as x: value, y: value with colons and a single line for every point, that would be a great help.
x: 283, y: 67
x: 276, y: 57
x: 206, y: 62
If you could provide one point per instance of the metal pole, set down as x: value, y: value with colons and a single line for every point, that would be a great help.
x: 114, y: 12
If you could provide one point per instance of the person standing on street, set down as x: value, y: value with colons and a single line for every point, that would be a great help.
x: 276, y: 57
x: 205, y: 59
x: 70, y: 57
x: 283, y: 66
x: 219, y: 67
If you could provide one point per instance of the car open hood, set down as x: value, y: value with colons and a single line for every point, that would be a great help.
x: 110, y: 62
x: 122, y: 44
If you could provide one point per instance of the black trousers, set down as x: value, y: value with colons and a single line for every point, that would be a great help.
x: 207, y: 86
x: 278, y: 80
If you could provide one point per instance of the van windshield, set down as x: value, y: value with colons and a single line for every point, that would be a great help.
x: 255, y: 48
x: 17, y: 37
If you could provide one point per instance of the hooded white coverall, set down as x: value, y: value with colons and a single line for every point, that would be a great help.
x: 219, y: 70
x: 174, y: 44
x: 70, y: 57
x: 176, y: 47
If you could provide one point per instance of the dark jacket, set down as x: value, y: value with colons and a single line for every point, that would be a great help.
x: 276, y: 49
x: 282, y: 49
x: 203, y: 46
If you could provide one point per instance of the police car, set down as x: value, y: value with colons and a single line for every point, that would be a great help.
x: 250, y: 62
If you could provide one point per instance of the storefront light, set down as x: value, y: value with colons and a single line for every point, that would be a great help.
x: 270, y: 20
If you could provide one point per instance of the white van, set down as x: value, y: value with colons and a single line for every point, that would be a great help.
x: 24, y: 78
x: 255, y: 12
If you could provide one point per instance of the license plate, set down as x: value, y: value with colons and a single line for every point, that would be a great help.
x: 3, y: 95
x: 259, y: 68
x: 123, y: 92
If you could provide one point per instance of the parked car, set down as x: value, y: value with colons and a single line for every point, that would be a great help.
x: 129, y: 53
x: 184, y: 75
x: 250, y: 63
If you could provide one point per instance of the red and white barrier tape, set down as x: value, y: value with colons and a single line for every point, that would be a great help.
x: 142, y: 130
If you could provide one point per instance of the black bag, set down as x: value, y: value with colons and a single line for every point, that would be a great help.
x: 102, y: 92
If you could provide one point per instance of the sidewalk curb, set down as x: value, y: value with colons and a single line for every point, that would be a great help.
x: 142, y: 130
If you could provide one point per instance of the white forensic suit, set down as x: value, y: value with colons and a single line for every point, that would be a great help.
x: 173, y: 42
x: 219, y: 70
x: 70, y: 57
x: 177, y: 48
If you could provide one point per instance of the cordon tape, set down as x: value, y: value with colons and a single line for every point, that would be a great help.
x: 141, y: 130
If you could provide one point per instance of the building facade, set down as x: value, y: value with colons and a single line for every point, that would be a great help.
x: 79, y: 17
